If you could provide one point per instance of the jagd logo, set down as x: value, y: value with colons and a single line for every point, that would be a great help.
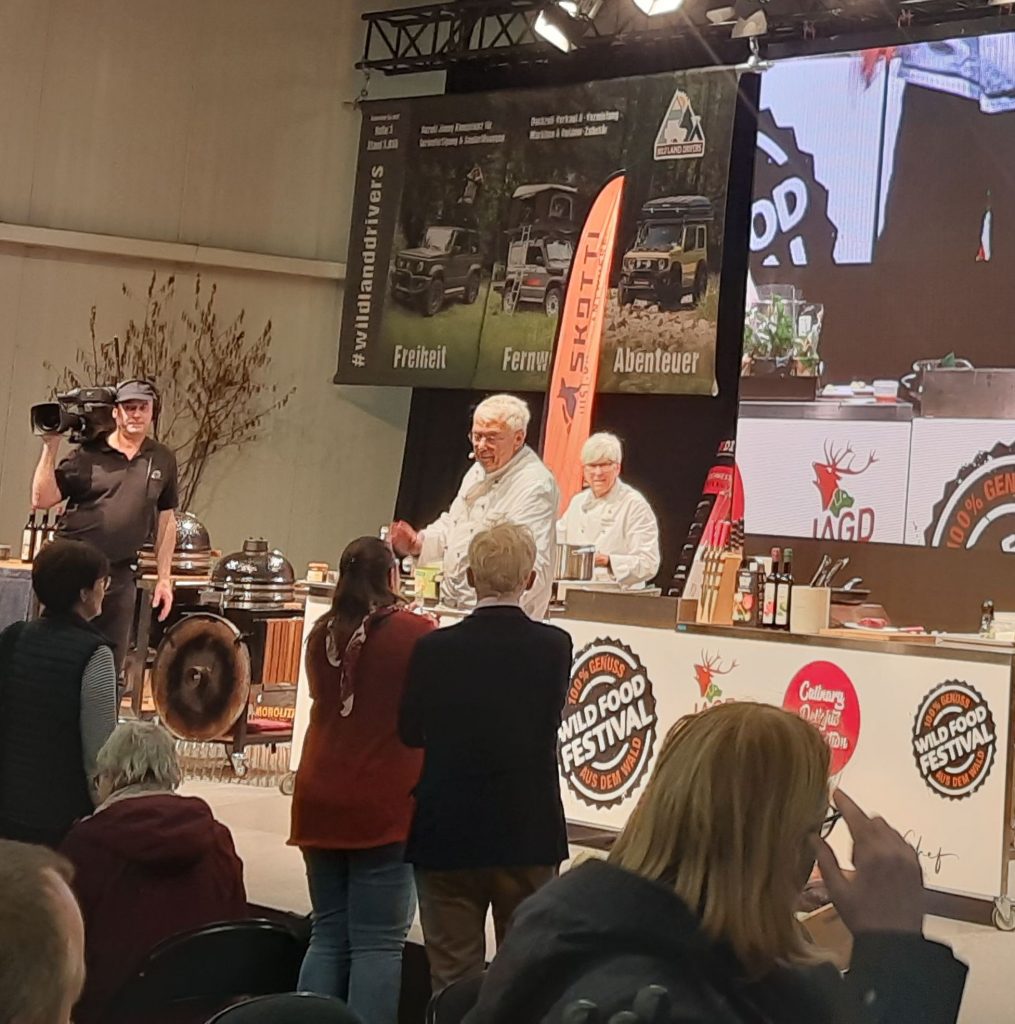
x: 841, y: 518
x: 954, y: 740
x: 605, y: 739
x: 705, y: 673
x: 681, y: 136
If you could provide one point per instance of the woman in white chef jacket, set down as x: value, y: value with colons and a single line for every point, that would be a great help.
x: 612, y: 517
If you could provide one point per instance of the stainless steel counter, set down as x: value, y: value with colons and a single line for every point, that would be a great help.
x: 840, y: 409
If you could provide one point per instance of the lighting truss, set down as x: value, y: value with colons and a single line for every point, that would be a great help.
x: 498, y: 33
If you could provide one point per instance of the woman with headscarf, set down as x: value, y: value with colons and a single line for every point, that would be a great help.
x: 353, y: 799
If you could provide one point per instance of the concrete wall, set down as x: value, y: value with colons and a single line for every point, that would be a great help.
x: 228, y: 125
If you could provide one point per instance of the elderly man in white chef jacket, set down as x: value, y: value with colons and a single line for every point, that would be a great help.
x: 507, y: 484
x: 612, y: 517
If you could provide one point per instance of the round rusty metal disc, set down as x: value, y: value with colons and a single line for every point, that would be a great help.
x: 201, y: 677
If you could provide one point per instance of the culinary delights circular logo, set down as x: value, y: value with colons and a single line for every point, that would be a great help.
x: 954, y: 740
x: 822, y: 694
x: 606, y: 733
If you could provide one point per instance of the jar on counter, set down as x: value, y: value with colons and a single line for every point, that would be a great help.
x: 317, y: 572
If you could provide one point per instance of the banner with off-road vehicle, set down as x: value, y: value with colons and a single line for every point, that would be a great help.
x: 468, y: 209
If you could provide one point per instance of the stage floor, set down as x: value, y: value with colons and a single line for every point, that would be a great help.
x: 259, y: 820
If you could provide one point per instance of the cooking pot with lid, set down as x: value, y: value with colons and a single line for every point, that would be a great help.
x: 575, y: 562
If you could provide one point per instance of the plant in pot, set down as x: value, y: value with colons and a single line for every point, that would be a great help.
x: 769, y: 339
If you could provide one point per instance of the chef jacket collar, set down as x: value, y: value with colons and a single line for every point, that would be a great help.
x: 613, y: 495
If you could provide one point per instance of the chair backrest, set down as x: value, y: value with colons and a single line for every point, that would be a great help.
x: 451, y: 1004
x: 294, y: 1008
x: 209, y: 967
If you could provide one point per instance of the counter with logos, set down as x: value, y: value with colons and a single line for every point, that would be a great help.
x: 919, y: 733
x: 865, y: 471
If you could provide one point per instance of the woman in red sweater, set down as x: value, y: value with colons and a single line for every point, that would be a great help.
x: 353, y: 800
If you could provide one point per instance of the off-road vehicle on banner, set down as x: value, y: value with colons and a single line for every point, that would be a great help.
x: 541, y: 233
x: 669, y: 258
x: 446, y: 265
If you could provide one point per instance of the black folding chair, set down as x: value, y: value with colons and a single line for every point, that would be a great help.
x: 294, y: 1008
x: 193, y: 975
x: 451, y: 1004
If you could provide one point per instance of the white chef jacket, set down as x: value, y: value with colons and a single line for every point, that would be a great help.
x: 523, y: 492
x: 620, y: 524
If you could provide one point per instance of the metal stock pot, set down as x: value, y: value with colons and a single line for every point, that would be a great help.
x: 575, y: 563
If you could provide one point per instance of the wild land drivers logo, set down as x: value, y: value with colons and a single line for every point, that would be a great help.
x: 978, y: 507
x: 954, y: 740
x: 681, y: 136
x: 841, y: 518
x: 605, y: 739
x: 705, y: 672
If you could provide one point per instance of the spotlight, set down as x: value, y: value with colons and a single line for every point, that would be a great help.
x: 651, y: 7
x: 562, y: 23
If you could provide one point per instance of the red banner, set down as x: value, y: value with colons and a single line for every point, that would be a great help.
x: 576, y: 359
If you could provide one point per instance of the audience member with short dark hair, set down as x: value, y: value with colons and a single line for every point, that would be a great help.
x: 149, y: 864
x: 484, y: 701
x: 42, y: 938
x: 57, y: 697
x: 699, y: 892
x: 353, y: 798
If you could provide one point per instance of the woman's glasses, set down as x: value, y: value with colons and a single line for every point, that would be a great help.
x: 829, y: 823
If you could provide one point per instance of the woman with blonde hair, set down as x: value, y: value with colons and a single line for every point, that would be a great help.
x: 700, y: 891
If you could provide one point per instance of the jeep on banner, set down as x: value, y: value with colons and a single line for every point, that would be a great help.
x: 466, y: 214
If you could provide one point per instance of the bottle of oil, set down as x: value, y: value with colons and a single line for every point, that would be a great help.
x: 784, y: 591
x: 769, y: 592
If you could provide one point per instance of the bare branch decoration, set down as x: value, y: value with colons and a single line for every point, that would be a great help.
x: 212, y: 378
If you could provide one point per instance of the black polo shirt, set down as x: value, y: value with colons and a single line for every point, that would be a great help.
x: 114, y: 501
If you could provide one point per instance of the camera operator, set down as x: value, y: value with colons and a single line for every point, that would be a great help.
x: 120, y: 489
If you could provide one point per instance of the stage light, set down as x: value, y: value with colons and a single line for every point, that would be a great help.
x: 558, y: 24
x: 651, y: 7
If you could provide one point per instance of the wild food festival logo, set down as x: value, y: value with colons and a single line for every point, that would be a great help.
x: 706, y: 671
x: 605, y: 739
x: 841, y: 518
x: 789, y: 216
x: 954, y: 740
x: 821, y: 693
x: 978, y: 506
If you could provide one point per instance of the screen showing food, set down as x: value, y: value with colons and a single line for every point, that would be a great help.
x: 878, y: 376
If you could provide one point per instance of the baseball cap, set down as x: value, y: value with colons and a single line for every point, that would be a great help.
x: 136, y: 390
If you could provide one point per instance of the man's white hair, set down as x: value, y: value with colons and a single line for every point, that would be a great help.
x: 602, y: 447
x: 506, y: 409
x: 502, y: 558
x: 139, y: 754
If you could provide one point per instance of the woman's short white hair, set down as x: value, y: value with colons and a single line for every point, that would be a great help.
x: 502, y: 558
x: 139, y: 754
x: 602, y: 447
x: 506, y: 409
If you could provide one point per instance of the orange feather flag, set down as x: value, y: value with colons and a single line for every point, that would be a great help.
x: 567, y: 417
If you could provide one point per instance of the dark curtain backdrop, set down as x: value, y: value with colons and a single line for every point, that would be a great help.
x: 669, y: 440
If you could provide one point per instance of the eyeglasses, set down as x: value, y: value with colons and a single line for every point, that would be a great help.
x: 491, y: 437
x: 829, y: 823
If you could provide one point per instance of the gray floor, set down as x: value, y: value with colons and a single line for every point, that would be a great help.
x: 259, y: 820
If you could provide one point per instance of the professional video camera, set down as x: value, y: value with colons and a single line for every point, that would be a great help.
x: 87, y: 413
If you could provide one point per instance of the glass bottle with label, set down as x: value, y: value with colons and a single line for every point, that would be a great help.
x: 28, y: 538
x: 784, y: 592
x: 769, y: 592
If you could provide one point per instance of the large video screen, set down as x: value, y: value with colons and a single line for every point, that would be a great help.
x: 881, y: 297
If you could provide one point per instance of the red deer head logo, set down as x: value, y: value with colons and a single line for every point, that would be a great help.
x: 705, y: 672
x: 828, y: 476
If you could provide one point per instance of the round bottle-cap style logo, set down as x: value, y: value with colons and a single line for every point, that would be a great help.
x: 822, y: 694
x: 954, y: 740
x: 605, y: 739
x: 978, y: 506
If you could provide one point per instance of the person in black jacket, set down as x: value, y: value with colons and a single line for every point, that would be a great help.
x: 699, y: 891
x: 484, y: 700
x: 57, y: 697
